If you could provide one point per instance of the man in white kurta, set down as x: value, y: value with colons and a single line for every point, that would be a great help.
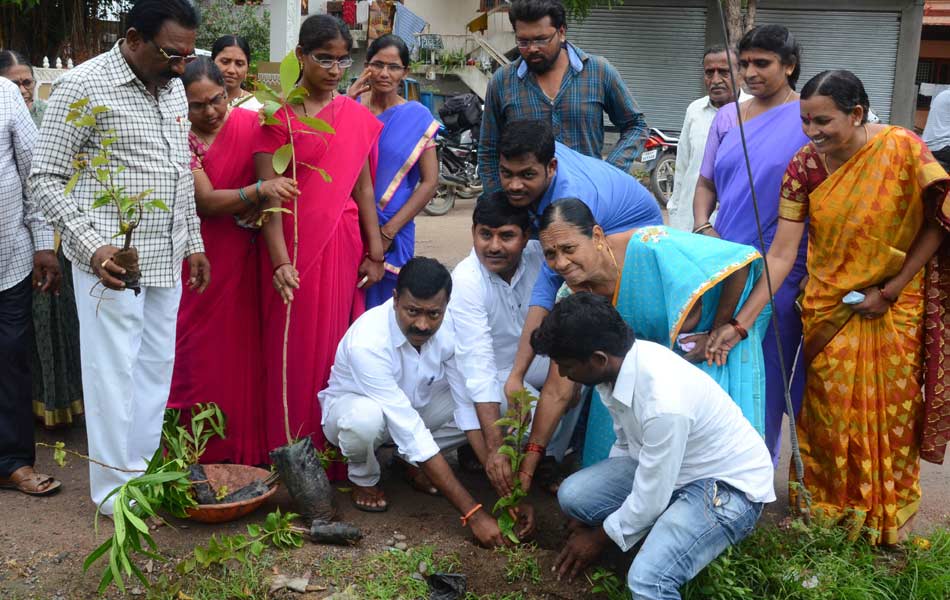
x: 692, y: 144
x: 688, y: 475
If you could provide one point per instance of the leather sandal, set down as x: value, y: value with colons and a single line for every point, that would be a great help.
x: 29, y: 482
x: 362, y: 496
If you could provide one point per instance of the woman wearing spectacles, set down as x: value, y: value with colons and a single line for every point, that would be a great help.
x: 338, y: 250
x: 57, y: 376
x: 232, y: 55
x: 218, y: 343
x: 407, y: 174
x: 15, y: 67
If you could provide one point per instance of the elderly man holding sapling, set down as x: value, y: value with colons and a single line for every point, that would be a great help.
x: 127, y: 340
x: 688, y: 475
x: 395, y: 378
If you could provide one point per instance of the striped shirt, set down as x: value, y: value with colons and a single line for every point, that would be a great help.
x: 22, y: 228
x: 590, y: 88
x: 153, y: 148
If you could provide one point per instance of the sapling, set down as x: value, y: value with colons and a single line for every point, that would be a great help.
x: 515, y: 423
x: 130, y: 207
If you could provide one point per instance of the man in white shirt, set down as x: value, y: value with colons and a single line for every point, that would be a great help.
x: 692, y: 144
x: 937, y: 130
x: 395, y: 378
x: 688, y: 474
x: 490, y: 298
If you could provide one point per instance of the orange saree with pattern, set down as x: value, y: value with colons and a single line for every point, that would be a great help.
x: 862, y: 415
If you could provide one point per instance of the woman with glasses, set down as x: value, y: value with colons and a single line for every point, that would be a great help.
x: 57, y: 376
x: 232, y: 55
x: 320, y: 259
x: 407, y: 173
x: 218, y: 344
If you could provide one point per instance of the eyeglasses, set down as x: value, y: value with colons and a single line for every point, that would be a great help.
x: 23, y: 83
x: 391, y: 67
x: 175, y: 59
x: 539, y: 43
x: 328, y: 63
x: 215, y: 102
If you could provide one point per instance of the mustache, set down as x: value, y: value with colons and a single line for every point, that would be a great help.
x: 420, y: 332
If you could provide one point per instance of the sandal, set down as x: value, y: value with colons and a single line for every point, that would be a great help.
x: 420, y: 482
x: 369, y: 499
x: 29, y: 482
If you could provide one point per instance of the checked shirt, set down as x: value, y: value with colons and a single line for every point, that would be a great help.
x: 152, y: 146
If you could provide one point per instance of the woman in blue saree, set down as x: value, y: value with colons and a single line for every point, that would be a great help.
x: 769, y: 61
x: 407, y: 173
x: 672, y: 288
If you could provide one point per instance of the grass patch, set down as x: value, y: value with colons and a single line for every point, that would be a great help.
x: 387, y: 575
x: 235, y: 581
x: 521, y: 564
x: 813, y: 563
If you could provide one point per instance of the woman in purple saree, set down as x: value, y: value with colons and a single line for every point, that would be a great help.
x: 769, y: 63
x: 407, y: 173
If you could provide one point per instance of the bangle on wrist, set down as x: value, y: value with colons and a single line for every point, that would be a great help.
x: 244, y: 197
x: 703, y: 227
x: 281, y: 265
x: 465, y: 518
x: 532, y: 447
x: 260, y: 195
x: 743, y: 332
x: 887, y: 297
x: 383, y: 233
x: 375, y: 260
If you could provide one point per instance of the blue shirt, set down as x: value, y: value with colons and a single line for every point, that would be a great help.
x: 617, y: 200
x: 590, y: 88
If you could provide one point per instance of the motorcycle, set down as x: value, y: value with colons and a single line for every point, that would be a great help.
x: 458, y: 170
x: 659, y: 158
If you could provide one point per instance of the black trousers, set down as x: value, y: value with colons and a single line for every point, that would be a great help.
x: 943, y: 156
x: 16, y: 410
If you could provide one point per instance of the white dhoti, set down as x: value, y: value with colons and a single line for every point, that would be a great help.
x: 127, y: 346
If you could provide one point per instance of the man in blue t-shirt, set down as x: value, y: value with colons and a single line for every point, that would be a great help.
x: 536, y: 171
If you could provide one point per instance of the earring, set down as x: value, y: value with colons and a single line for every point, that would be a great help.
x: 600, y: 247
x: 857, y: 123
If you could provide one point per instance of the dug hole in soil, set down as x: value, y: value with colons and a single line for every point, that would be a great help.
x: 43, y: 541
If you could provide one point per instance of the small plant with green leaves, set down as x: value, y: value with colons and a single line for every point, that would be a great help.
x: 605, y: 582
x: 130, y: 208
x: 515, y: 423
x: 277, y: 531
x: 189, y: 443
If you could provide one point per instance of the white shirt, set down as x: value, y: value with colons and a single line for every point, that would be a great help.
x: 937, y: 131
x: 375, y: 360
x: 680, y: 427
x: 489, y: 314
x: 689, y: 158
x: 23, y: 230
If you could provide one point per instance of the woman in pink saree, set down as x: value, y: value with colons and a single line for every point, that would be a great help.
x: 218, y: 347
x: 324, y: 275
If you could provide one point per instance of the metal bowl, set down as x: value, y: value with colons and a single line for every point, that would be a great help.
x: 234, y: 477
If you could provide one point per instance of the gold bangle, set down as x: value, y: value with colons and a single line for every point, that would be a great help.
x: 703, y: 228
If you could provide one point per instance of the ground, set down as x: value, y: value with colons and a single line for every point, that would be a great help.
x: 43, y: 541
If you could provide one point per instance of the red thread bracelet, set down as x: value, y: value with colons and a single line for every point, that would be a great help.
x: 469, y: 515
x: 281, y: 265
x: 532, y: 447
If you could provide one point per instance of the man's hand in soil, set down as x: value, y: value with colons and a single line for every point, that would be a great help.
x: 525, y: 525
x: 486, y: 531
x: 200, y: 272
x: 582, y: 548
x: 106, y: 269
x: 46, y: 272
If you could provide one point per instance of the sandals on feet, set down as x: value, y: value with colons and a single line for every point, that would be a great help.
x: 369, y: 499
x: 420, y: 482
x: 29, y: 482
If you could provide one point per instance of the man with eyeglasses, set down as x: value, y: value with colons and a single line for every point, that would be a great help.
x: 127, y: 341
x: 557, y: 82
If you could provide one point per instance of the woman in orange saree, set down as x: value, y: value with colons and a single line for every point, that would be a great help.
x: 875, y: 203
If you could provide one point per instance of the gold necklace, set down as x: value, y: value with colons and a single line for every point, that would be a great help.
x: 307, y: 114
x: 613, y: 258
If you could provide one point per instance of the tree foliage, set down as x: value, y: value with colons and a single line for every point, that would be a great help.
x: 224, y: 17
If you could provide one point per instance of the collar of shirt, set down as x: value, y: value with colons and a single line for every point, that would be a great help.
x: 395, y: 333
x: 624, y: 388
x: 575, y: 56
x: 742, y: 98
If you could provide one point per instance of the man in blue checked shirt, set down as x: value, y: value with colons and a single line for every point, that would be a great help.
x: 558, y: 83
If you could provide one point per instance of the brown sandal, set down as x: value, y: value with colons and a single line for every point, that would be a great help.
x: 29, y: 482
x: 363, y: 496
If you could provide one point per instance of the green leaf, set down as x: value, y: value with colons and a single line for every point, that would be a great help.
x: 277, y: 209
x: 507, y: 451
x: 98, y: 110
x: 100, y: 201
x: 107, y: 577
x: 71, y: 184
x: 257, y: 548
x: 59, y: 453
x: 317, y: 124
x: 96, y: 554
x: 85, y: 121
x: 118, y: 518
x: 79, y: 103
x: 289, y: 73
x: 271, y: 107
x: 326, y: 176
x: 264, y: 94
x: 158, y: 205
x: 136, y: 522
x: 282, y: 158
x: 297, y: 95
x: 254, y: 530
x: 114, y: 568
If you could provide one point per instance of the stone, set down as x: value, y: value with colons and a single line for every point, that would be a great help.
x: 399, y: 537
x: 401, y: 546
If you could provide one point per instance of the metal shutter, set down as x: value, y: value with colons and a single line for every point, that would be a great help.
x: 658, y: 51
x: 864, y: 43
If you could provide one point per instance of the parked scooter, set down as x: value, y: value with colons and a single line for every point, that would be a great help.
x: 659, y: 158
x: 457, y: 148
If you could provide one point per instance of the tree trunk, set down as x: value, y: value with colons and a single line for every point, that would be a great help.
x: 750, y: 14
x: 737, y: 22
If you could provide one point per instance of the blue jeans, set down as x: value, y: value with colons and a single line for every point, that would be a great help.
x: 703, y: 518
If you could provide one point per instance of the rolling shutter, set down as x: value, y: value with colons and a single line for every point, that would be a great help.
x: 658, y: 51
x: 864, y: 43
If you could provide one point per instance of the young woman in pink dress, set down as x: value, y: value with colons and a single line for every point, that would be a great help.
x: 339, y: 251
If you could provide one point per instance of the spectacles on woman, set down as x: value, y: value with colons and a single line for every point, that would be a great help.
x: 391, y: 67
x: 175, y: 59
x: 215, y: 102
x: 537, y: 43
x: 328, y: 63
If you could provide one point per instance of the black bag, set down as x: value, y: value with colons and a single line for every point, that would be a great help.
x: 461, y: 112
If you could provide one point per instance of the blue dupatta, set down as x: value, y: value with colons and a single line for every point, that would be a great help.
x: 408, y: 129
x: 665, y: 272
